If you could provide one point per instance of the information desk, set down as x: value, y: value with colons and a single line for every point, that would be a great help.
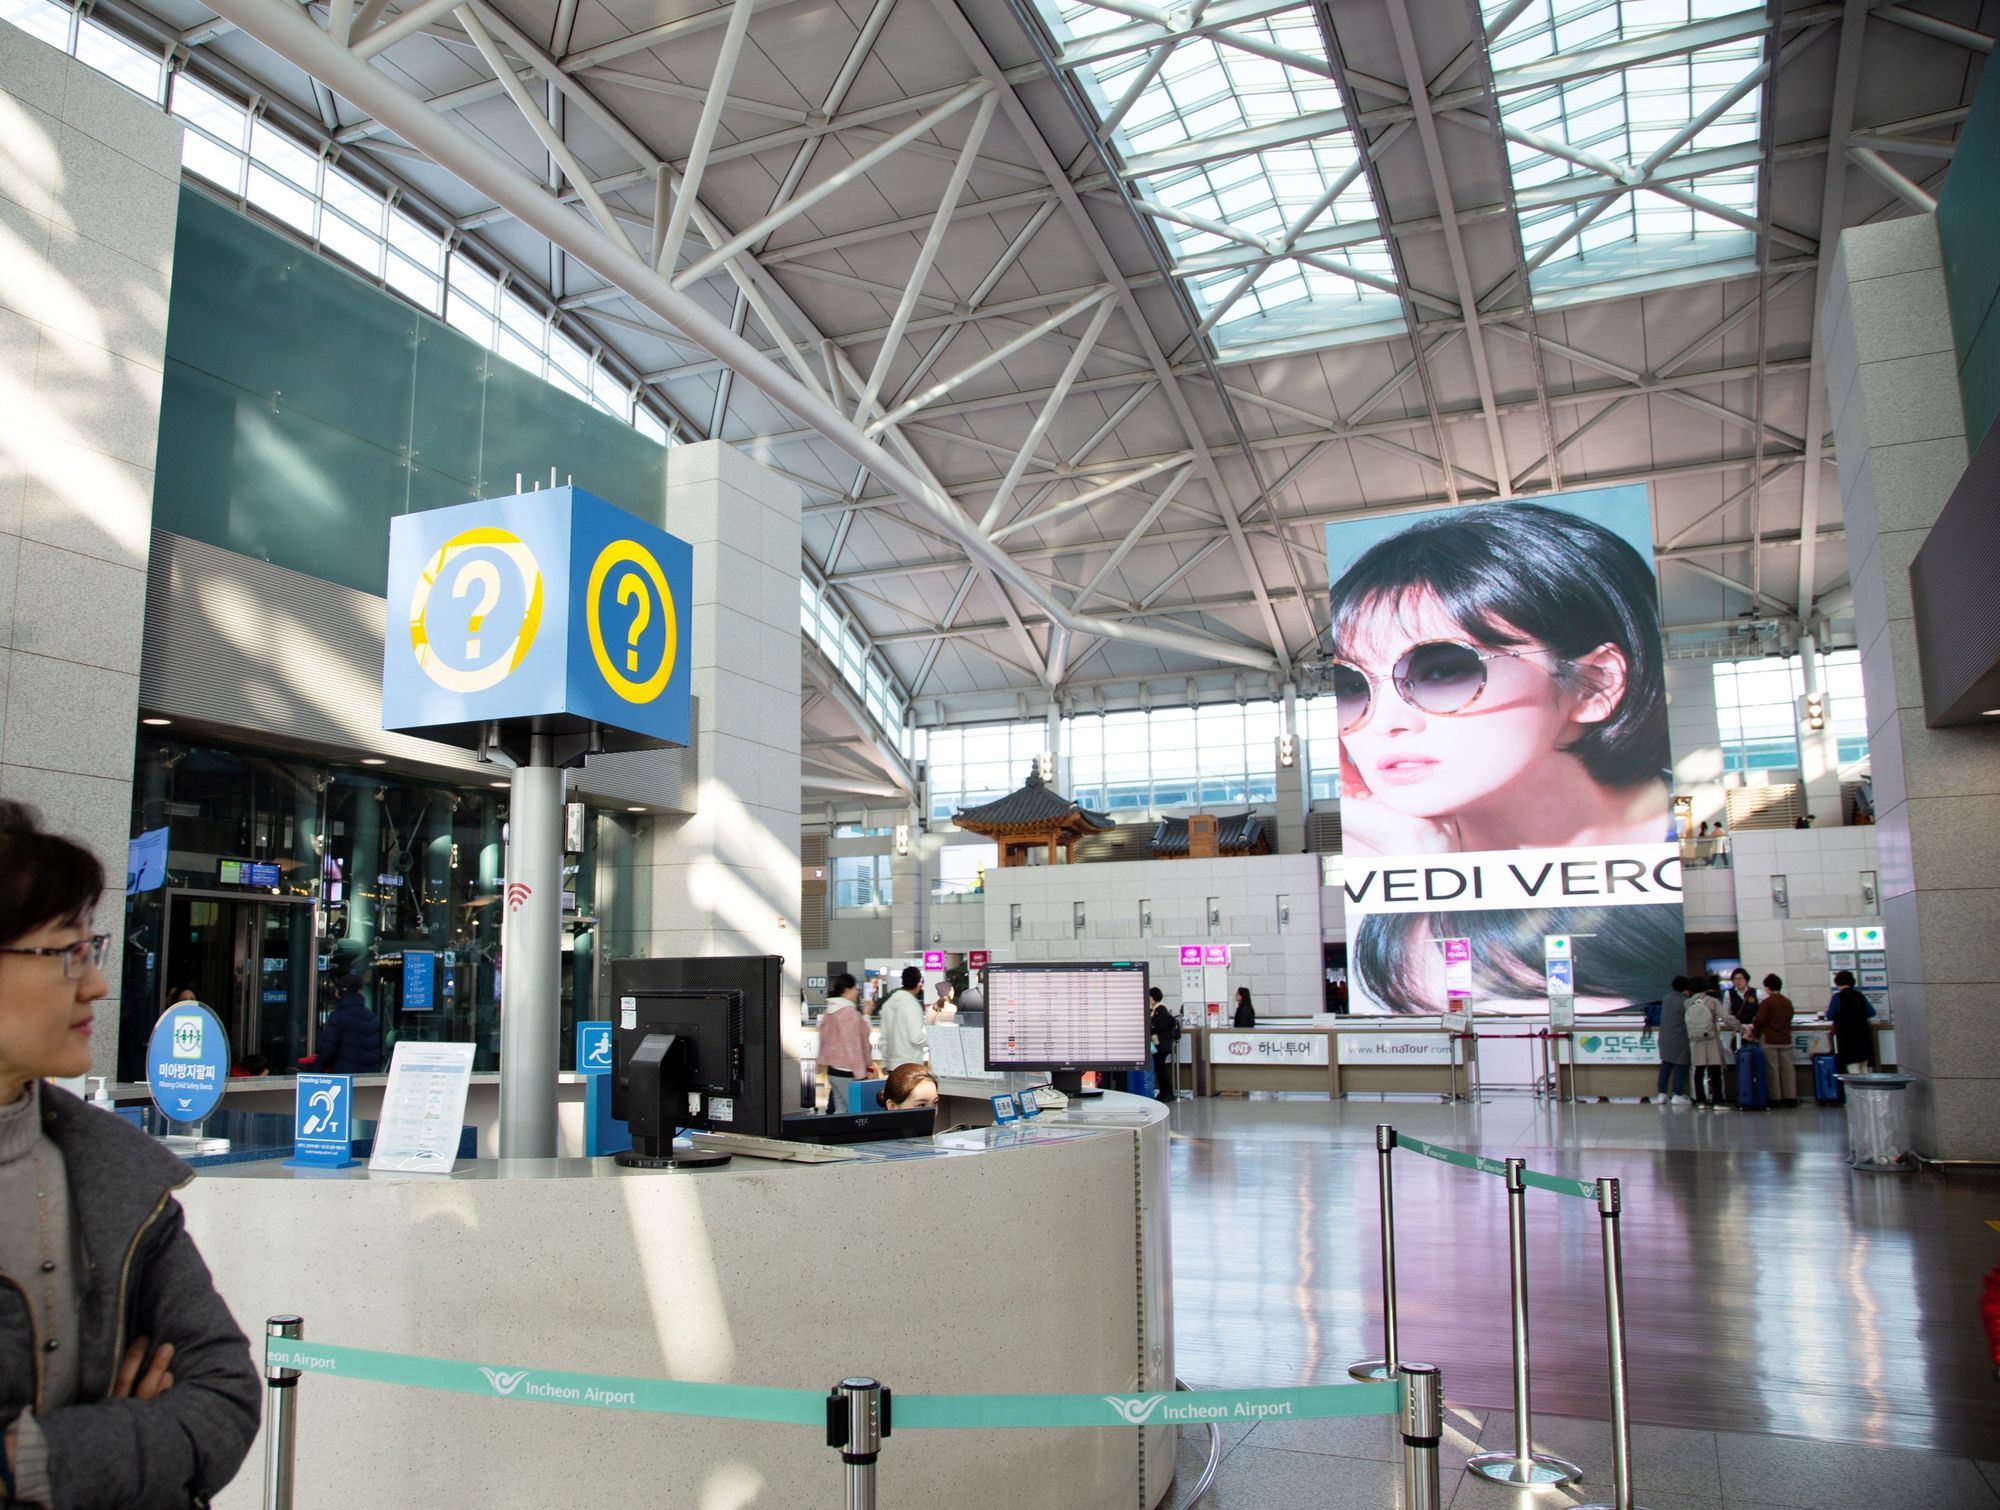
x: 1360, y: 1056
x: 1620, y: 1057
x: 997, y: 1260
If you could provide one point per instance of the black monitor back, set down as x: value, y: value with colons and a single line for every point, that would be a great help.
x: 658, y: 988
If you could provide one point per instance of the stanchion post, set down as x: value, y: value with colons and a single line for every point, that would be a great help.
x: 1523, y: 1465
x: 1614, y: 1335
x: 1423, y: 1429
x: 1384, y: 1367
x: 857, y: 1419
x: 281, y: 1418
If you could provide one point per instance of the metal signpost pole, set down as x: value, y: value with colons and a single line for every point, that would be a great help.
x: 1423, y: 1429
x: 281, y: 1418
x: 1614, y: 1332
x: 1521, y: 1466
x: 531, y: 957
x: 1384, y: 1367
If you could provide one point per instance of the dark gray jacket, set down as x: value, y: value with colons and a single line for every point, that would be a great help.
x: 142, y: 1278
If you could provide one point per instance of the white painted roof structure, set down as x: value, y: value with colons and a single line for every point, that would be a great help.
x: 1075, y: 320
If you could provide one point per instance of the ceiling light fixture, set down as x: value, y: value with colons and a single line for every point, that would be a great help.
x: 373, y: 760
x: 156, y: 723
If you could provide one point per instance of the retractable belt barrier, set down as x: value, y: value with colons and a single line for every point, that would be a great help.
x: 1522, y: 1467
x: 857, y: 1415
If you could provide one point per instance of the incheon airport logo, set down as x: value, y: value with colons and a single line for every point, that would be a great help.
x: 1134, y: 1412
x: 1137, y: 1410
x: 503, y: 1381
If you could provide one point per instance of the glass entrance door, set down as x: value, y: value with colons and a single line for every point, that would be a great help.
x: 250, y: 961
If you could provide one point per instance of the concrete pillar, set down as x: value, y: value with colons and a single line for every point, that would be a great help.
x: 89, y: 195
x: 1695, y: 736
x: 1058, y: 752
x: 909, y: 887
x: 1893, y: 386
x: 1819, y: 749
x: 725, y: 879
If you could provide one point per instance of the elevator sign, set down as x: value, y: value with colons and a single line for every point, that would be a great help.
x: 551, y: 605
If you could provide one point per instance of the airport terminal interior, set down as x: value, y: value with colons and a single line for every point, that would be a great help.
x: 1032, y: 753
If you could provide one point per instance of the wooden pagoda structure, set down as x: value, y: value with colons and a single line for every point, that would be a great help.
x: 1033, y: 818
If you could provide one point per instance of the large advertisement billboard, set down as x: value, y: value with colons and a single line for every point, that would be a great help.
x: 1504, y: 769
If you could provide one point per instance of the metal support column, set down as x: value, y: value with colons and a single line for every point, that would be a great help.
x: 1608, y: 1207
x: 1523, y: 1465
x: 857, y: 1421
x: 1384, y: 1367
x: 1423, y: 1430
x: 531, y: 957
x: 281, y: 1419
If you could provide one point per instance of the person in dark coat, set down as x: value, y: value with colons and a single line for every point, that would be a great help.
x: 1246, y: 1012
x: 1850, y: 1012
x: 124, y: 1380
x: 351, y: 1041
x: 1165, y: 1032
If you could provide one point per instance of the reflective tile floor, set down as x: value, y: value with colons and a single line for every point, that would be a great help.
x: 1799, y: 1335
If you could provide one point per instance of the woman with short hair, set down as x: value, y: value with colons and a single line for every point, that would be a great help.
x: 124, y: 1381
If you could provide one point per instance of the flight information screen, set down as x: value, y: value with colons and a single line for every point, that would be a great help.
x: 1082, y: 1016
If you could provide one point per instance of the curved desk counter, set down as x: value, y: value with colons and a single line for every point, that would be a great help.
x: 1025, y: 1259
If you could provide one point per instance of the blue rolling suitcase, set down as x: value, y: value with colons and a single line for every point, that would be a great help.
x: 1753, y: 1089
x: 1827, y: 1089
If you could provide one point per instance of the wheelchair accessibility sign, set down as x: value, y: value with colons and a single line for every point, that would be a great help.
x: 593, y: 1048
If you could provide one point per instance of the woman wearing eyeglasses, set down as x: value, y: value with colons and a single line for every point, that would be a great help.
x: 1499, y: 680
x: 123, y: 1379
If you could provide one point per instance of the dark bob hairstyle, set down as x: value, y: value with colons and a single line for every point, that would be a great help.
x: 44, y: 878
x: 1516, y: 573
x: 1623, y: 953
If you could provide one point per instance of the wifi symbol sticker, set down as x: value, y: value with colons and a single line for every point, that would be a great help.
x: 518, y: 893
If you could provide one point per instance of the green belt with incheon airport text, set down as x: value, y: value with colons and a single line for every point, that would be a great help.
x: 807, y: 1407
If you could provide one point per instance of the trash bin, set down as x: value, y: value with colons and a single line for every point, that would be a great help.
x: 1878, y: 1135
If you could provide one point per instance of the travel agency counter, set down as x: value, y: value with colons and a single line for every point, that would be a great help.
x: 1026, y: 1259
x: 1332, y: 1056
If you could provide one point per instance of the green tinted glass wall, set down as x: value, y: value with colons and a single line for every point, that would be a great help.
x: 1968, y: 223
x: 304, y: 409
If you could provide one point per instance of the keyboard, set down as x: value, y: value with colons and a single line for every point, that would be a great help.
x: 771, y: 1148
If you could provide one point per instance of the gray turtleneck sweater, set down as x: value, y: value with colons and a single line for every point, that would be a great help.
x: 34, y: 1182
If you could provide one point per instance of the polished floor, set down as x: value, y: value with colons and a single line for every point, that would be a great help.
x: 1800, y: 1335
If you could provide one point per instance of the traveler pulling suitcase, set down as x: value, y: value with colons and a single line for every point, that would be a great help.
x: 1753, y: 1090
x: 1827, y: 1089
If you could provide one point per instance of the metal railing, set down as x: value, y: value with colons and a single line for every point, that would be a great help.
x: 859, y: 1415
x: 1521, y: 1466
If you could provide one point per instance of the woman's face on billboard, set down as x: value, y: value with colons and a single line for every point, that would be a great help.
x: 1430, y: 765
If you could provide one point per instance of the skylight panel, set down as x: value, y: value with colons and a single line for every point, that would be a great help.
x: 1595, y: 132
x: 1239, y: 223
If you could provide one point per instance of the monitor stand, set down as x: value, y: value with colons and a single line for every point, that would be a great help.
x: 1070, y: 1083
x: 692, y: 1158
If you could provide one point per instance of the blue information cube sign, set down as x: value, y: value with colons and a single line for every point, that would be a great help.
x: 323, y: 1123
x: 187, y: 1062
x: 419, y: 980
x: 593, y: 1048
x: 541, y: 605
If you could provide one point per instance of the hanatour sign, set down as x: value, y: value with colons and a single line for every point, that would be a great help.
x: 552, y: 610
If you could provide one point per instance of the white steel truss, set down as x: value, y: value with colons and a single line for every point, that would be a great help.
x: 1180, y: 516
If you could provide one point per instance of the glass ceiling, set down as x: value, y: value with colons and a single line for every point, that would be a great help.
x: 1642, y: 119
x: 1253, y: 222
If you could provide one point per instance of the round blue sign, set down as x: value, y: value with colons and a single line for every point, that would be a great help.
x: 187, y: 1062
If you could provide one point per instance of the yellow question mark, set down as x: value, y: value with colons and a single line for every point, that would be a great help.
x: 631, y: 586
x: 487, y: 575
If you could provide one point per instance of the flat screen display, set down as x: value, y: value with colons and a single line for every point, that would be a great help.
x: 1066, y: 1017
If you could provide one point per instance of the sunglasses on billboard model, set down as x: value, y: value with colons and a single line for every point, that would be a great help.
x: 1439, y: 677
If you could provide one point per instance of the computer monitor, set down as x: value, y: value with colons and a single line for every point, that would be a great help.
x: 1067, y: 1018
x: 696, y: 1045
